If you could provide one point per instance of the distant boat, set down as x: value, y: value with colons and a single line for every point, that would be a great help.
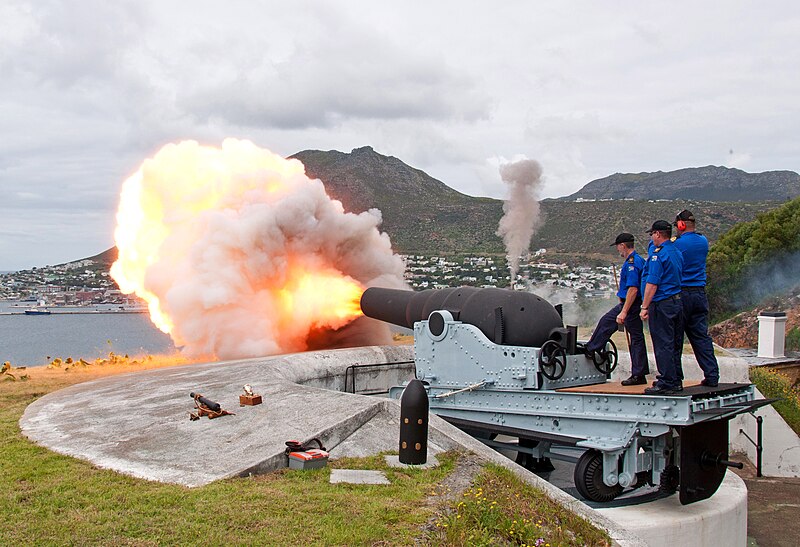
x: 38, y: 310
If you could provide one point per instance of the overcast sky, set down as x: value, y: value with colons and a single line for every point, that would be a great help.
x: 88, y: 89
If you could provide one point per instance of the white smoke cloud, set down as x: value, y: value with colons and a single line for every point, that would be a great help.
x: 521, y: 209
x: 245, y: 253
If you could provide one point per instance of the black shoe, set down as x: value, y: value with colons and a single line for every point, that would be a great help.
x: 634, y: 381
x: 659, y: 390
x: 709, y: 383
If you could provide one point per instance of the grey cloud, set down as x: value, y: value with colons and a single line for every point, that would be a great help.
x: 64, y: 44
x: 327, y: 81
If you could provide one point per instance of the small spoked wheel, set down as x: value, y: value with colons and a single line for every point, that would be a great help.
x: 589, y: 478
x: 606, y: 359
x: 552, y: 360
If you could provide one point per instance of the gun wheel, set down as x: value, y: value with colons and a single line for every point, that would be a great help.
x: 605, y: 360
x: 529, y: 462
x: 552, y: 360
x: 589, y: 478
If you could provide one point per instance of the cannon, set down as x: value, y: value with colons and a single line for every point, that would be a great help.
x: 496, y: 361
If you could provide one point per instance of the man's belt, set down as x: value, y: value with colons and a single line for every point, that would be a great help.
x: 671, y: 297
x: 693, y: 289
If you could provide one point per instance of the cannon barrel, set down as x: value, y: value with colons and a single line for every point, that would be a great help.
x: 504, y: 316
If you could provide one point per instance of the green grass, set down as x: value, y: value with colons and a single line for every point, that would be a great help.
x: 500, y: 509
x: 49, y: 499
x: 773, y: 384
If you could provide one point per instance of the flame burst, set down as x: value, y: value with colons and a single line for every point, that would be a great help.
x: 239, y: 254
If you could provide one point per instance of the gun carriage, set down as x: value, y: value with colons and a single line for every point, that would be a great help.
x: 495, y: 361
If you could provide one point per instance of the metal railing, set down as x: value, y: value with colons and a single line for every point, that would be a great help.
x: 758, y: 444
x: 350, y: 375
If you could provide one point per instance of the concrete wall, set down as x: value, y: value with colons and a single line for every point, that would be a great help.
x: 781, y: 454
x: 719, y: 520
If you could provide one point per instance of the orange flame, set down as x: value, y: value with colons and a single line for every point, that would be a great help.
x: 172, y: 207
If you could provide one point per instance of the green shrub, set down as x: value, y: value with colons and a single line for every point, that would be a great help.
x: 754, y: 260
x: 774, y: 385
x: 793, y: 339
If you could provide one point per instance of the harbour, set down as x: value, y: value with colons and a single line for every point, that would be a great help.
x: 89, y: 332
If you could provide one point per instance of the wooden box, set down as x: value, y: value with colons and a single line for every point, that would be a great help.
x: 250, y: 400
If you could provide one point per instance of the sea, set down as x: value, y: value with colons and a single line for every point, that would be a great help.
x: 31, y: 340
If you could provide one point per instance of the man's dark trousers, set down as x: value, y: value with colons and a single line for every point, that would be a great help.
x: 607, y: 325
x: 664, y: 320
x: 695, y: 325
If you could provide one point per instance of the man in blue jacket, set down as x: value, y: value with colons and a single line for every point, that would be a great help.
x: 626, y: 312
x: 694, y: 248
x: 661, y: 306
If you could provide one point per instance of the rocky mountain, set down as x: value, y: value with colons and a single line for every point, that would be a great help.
x: 424, y: 215
x: 741, y: 330
x: 420, y: 213
x: 710, y: 183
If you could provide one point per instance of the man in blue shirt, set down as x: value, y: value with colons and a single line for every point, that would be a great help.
x: 661, y: 306
x: 694, y: 248
x: 626, y: 312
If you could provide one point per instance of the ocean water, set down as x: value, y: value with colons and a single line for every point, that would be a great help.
x: 28, y: 340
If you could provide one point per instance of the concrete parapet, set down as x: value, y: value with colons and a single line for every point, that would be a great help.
x: 719, y: 520
x: 138, y: 424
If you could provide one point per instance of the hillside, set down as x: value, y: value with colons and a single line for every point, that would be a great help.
x: 422, y: 214
x: 710, y: 183
x: 755, y: 260
x: 741, y: 330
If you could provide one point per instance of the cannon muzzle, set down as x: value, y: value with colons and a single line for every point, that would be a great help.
x: 504, y: 316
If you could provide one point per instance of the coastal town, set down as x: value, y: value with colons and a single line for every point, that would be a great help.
x: 86, y: 282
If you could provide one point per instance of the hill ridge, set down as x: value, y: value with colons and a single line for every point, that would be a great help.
x: 710, y: 183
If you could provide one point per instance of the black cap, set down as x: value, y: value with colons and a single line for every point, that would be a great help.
x: 684, y: 215
x: 660, y: 226
x: 624, y: 237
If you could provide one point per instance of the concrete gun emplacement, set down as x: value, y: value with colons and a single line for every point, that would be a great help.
x: 496, y: 361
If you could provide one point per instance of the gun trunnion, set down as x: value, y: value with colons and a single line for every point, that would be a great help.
x: 496, y: 361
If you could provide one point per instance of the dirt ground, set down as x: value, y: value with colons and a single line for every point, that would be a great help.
x: 773, y: 509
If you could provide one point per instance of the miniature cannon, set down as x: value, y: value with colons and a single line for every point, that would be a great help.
x: 496, y: 361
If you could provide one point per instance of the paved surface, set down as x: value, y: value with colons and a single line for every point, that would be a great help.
x: 138, y: 423
x: 773, y: 510
x: 358, y: 476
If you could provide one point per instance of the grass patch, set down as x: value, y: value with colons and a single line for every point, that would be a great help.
x: 49, y: 499
x: 500, y: 509
x: 773, y: 384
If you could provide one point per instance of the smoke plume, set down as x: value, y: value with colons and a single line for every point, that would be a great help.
x: 239, y: 254
x: 521, y: 209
